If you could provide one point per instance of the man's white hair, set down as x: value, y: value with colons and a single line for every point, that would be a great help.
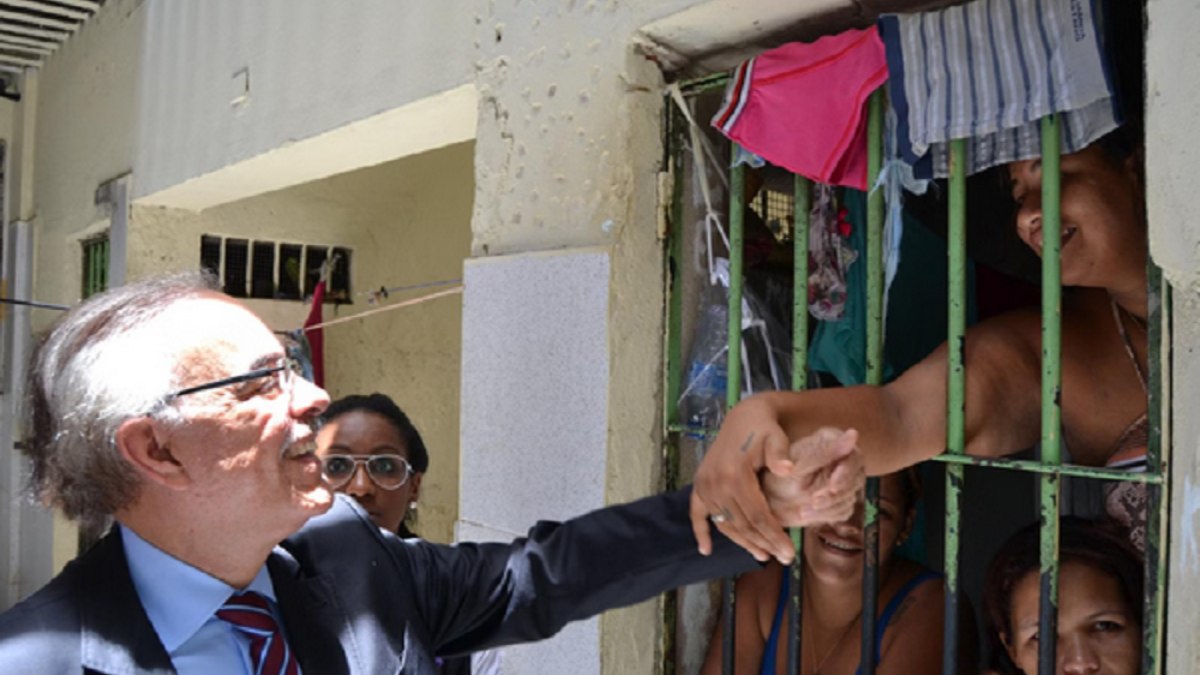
x: 104, y: 362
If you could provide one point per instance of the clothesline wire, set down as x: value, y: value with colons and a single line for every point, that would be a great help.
x: 374, y: 294
x: 34, y: 303
x: 407, y: 303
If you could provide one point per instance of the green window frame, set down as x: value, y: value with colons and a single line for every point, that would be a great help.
x: 95, y: 265
x: 1049, y: 470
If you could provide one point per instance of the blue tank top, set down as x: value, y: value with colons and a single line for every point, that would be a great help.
x: 772, y: 646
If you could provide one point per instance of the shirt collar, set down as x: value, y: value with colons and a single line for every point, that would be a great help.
x: 177, y: 597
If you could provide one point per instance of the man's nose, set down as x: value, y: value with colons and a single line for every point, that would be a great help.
x: 1077, y: 656
x: 360, y: 483
x: 308, y: 400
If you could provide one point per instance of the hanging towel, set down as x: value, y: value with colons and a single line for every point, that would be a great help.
x: 987, y: 71
x: 800, y: 106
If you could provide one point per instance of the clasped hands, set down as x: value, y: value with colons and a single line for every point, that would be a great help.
x: 754, y: 481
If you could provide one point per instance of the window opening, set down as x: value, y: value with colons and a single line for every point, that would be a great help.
x: 275, y: 270
x: 262, y: 275
x: 289, y: 271
x: 1047, y: 470
x: 314, y: 257
x: 339, y: 281
x: 237, y: 260
x: 95, y: 266
x: 210, y: 255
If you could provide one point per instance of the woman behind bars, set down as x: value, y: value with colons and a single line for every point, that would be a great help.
x: 1104, y: 365
x: 909, y: 623
x: 1099, y: 602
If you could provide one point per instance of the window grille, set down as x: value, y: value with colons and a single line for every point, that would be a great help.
x: 210, y: 255
x: 274, y: 270
x: 1048, y: 470
x: 289, y: 271
x: 262, y: 272
x: 236, y: 258
x: 95, y: 266
x: 314, y: 257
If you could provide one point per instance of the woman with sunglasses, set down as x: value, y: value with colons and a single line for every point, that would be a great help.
x: 370, y: 450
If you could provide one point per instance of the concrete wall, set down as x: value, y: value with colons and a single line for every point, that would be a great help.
x: 567, y: 155
x: 406, y: 222
x: 226, y: 80
x: 59, y: 156
x: 85, y: 135
x: 1172, y: 162
x: 568, y: 150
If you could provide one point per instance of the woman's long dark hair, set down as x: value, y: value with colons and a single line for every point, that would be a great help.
x: 1101, y: 545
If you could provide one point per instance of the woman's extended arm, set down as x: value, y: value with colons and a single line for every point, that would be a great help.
x: 899, y: 425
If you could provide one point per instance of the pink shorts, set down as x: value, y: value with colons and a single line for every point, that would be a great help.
x: 800, y: 106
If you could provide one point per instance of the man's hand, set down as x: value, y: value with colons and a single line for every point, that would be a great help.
x: 825, y: 483
x: 727, y: 491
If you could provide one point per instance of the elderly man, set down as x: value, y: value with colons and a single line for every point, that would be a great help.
x: 175, y: 410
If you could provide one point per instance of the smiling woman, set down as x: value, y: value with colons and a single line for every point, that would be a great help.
x: 909, y: 636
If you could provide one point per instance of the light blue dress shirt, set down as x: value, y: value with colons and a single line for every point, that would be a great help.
x: 181, y: 603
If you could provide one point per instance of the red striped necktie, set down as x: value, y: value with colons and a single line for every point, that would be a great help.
x: 250, y: 613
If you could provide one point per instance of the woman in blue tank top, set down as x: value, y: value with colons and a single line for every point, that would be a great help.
x: 909, y: 625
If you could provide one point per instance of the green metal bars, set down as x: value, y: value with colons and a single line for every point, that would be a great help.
x: 1051, y: 391
x: 1049, y: 468
x: 956, y: 394
x: 801, y: 196
x: 1159, y: 325
x: 874, y: 374
x: 95, y: 266
x: 733, y: 388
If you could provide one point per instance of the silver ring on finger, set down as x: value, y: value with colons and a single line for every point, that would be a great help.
x: 722, y: 517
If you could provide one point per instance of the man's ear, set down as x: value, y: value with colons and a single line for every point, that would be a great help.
x: 141, y: 444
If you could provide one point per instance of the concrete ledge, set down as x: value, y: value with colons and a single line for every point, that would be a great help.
x: 428, y: 124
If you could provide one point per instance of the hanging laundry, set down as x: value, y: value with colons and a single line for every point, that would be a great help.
x: 987, y: 71
x: 839, y: 347
x: 801, y: 106
x: 830, y: 254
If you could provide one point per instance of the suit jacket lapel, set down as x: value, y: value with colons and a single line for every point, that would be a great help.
x: 116, y: 634
x: 318, y: 629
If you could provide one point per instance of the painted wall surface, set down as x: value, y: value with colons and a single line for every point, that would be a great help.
x: 534, y: 425
x: 59, y: 159
x: 85, y: 135
x: 567, y: 157
x: 226, y: 80
x: 568, y: 154
x: 1172, y: 161
x: 406, y: 222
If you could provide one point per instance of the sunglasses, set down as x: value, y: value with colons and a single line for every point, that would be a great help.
x: 388, y: 472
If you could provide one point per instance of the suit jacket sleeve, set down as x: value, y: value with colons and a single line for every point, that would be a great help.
x: 474, y: 596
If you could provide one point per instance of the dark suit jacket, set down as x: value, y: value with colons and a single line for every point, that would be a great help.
x: 355, y: 599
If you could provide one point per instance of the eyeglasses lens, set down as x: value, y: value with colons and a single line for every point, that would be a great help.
x: 385, y: 471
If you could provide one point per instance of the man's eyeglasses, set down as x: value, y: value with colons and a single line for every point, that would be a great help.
x: 283, y: 376
x: 389, y: 472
